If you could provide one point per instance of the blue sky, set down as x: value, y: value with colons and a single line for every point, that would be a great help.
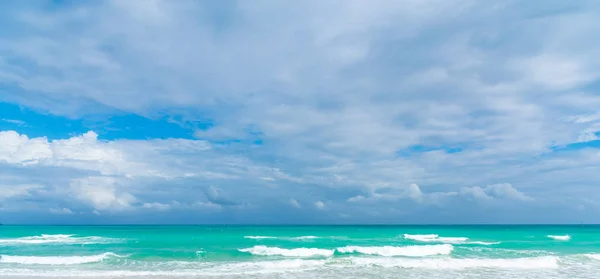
x: 453, y: 111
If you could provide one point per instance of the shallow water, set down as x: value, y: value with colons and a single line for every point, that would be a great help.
x: 300, y: 251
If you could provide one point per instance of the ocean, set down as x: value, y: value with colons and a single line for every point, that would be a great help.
x: 300, y: 252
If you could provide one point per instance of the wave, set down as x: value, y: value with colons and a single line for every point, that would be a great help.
x: 56, y: 239
x: 560, y: 237
x: 593, y: 256
x: 518, y: 263
x: 282, y: 237
x: 188, y: 270
x: 260, y: 237
x: 420, y: 237
x: 408, y: 251
x: 55, y: 260
x: 297, y: 252
x: 278, y: 266
x: 435, y: 238
x: 484, y: 242
x: 449, y: 240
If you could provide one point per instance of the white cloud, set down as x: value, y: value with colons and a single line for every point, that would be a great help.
x: 558, y: 72
x: 495, y: 191
x: 320, y: 205
x: 11, y: 191
x: 294, y: 203
x: 506, y: 191
x: 14, y: 121
x: 356, y: 198
x: 61, y: 211
x: 102, y: 193
x: 157, y: 206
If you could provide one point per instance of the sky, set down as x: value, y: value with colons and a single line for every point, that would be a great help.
x: 299, y: 112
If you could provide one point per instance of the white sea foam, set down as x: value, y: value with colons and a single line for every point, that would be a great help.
x: 56, y: 239
x: 282, y: 237
x: 408, y: 251
x: 323, y: 265
x: 593, y: 256
x: 259, y: 237
x: 435, y: 238
x: 297, y: 252
x: 518, y: 263
x: 560, y: 237
x: 448, y: 240
x: 421, y: 237
x: 484, y: 242
x: 55, y: 260
x: 188, y: 270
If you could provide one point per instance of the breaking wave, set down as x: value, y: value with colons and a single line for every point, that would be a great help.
x: 296, y: 252
x: 593, y: 256
x: 449, y: 240
x: 56, y: 239
x: 281, y: 237
x: 408, y: 251
x: 560, y: 237
x: 55, y: 260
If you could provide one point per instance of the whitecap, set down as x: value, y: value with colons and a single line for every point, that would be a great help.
x: 306, y: 237
x: 483, y: 242
x: 435, y: 238
x: 421, y: 237
x: 56, y: 239
x: 448, y: 240
x: 259, y: 237
x: 408, y: 251
x: 296, y: 252
x: 560, y: 237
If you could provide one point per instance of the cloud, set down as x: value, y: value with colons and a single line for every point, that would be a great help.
x: 413, y: 192
x: 320, y: 205
x: 495, y: 191
x: 102, y: 193
x: 11, y: 191
x: 14, y: 121
x: 294, y: 203
x: 157, y: 206
x: 479, y: 94
x: 61, y: 211
x: 356, y: 198
x: 216, y: 196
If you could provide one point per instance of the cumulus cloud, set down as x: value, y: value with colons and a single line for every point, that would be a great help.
x: 88, y: 153
x: 101, y: 192
x: 495, y: 191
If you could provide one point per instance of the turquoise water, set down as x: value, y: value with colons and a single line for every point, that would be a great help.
x: 300, y: 251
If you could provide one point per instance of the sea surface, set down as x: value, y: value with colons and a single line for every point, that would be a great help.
x: 300, y: 252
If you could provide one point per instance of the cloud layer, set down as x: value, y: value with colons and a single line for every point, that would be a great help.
x: 382, y: 111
